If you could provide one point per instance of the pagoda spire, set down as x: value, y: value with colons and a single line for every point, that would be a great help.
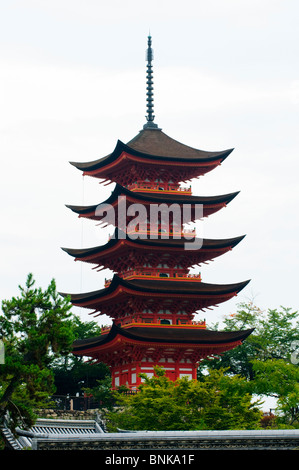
x: 150, y: 95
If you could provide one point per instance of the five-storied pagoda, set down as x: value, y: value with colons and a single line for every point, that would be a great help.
x: 152, y: 298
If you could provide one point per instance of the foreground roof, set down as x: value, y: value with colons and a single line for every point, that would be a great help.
x: 56, y: 428
x: 59, y: 436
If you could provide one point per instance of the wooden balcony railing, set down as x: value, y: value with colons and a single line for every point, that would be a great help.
x: 154, y: 274
x: 150, y: 322
x: 156, y: 187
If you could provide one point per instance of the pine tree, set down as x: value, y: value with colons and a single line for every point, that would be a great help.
x: 35, y: 328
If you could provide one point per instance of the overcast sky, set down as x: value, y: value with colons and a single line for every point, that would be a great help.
x: 226, y: 75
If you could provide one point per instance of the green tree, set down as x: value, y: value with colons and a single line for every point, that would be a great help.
x: 274, y: 337
x: 102, y: 392
x: 265, y: 358
x: 35, y: 328
x: 218, y: 401
x: 279, y: 379
x: 73, y: 374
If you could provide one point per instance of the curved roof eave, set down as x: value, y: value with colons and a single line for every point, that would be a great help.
x: 178, y: 152
x: 155, y: 198
x: 152, y: 243
x: 165, y: 335
x: 156, y: 286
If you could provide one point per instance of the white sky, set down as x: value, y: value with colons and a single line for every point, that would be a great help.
x: 72, y: 79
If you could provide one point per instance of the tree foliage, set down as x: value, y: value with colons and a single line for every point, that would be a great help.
x: 266, y: 358
x: 217, y: 401
x: 280, y: 379
x: 275, y: 335
x: 35, y: 329
x: 72, y: 374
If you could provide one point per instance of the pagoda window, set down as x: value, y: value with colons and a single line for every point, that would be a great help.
x: 164, y: 275
x: 165, y: 322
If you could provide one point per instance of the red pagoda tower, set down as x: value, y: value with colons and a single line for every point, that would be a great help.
x: 152, y: 297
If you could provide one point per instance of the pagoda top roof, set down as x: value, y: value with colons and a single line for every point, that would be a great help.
x: 167, y: 334
x: 158, y: 287
x: 154, y: 144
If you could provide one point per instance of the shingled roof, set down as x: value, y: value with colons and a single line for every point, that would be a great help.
x: 45, y: 428
x: 155, y: 144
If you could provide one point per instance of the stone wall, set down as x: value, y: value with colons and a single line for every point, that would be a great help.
x: 67, y: 414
